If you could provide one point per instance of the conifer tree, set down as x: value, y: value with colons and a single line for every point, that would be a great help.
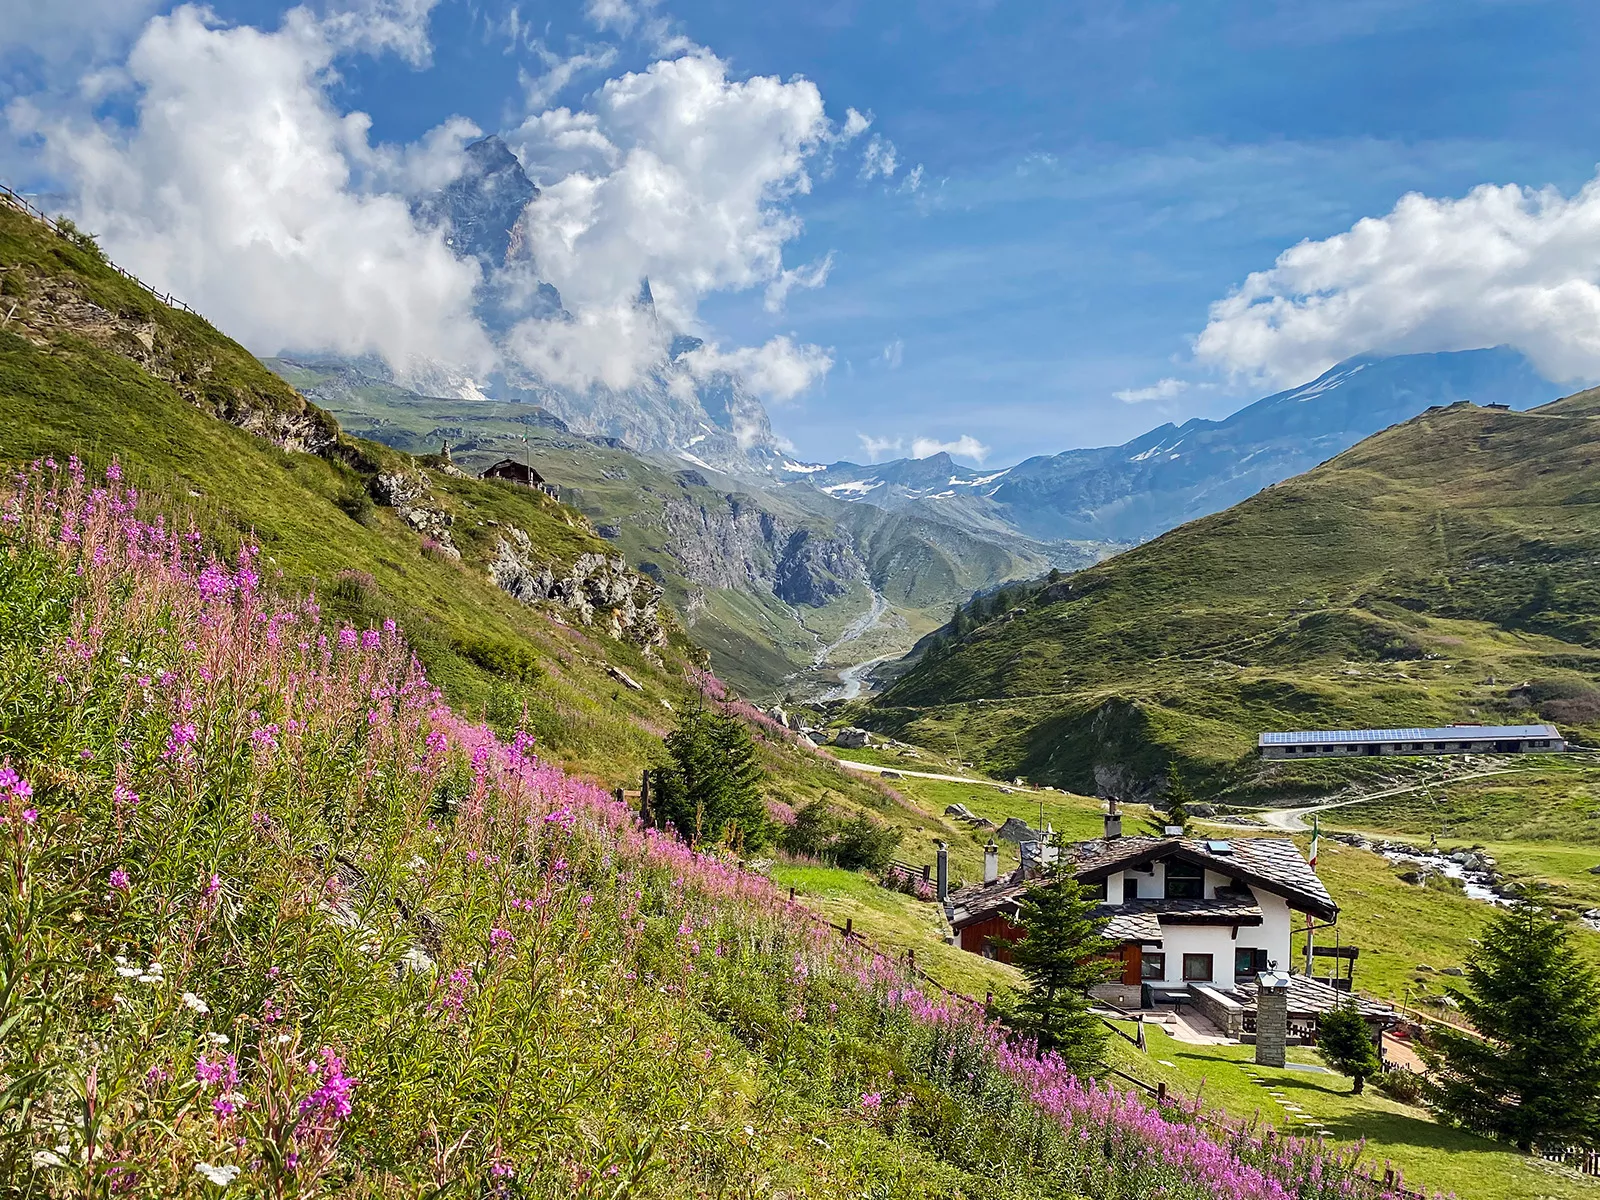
x: 1179, y: 797
x: 1345, y: 1043
x: 1061, y: 953
x: 711, y: 788
x: 1535, y: 1074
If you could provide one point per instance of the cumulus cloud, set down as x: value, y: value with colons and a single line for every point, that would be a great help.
x: 894, y: 354
x: 238, y: 183
x: 1165, y: 389
x: 965, y: 446
x: 876, y: 447
x: 240, y: 187
x: 681, y: 175
x: 778, y: 371
x: 1500, y: 265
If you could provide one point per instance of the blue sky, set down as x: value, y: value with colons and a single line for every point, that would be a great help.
x: 1092, y: 178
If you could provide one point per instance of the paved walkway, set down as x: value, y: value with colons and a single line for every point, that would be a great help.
x: 876, y: 770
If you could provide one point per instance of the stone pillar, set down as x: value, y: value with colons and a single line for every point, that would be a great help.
x: 991, y: 862
x: 1272, y: 1020
x: 1113, y: 820
x: 943, y: 860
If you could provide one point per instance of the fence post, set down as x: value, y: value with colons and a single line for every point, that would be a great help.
x: 911, y: 958
x: 791, y: 894
x: 849, y: 927
x: 1161, y: 1092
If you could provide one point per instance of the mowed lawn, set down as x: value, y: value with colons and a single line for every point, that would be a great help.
x: 1431, y: 1157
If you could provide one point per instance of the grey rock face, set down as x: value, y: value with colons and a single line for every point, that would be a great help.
x: 596, y: 589
x: 484, y: 205
x: 406, y: 495
x: 741, y: 546
x: 852, y: 739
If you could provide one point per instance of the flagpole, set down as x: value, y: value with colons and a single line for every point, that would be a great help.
x: 1316, y: 837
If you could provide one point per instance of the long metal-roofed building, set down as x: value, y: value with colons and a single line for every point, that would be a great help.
x: 1447, y: 739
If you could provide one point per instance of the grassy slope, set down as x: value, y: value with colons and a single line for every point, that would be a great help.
x: 1427, y: 1153
x: 1413, y: 579
x: 80, y: 394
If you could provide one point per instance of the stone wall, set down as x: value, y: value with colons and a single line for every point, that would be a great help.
x: 1226, y: 1014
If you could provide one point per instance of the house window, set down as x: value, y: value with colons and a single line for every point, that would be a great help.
x: 1153, y: 965
x: 1185, y: 881
x: 1099, y: 890
x: 1130, y: 890
x: 1197, y: 968
x: 1248, y: 963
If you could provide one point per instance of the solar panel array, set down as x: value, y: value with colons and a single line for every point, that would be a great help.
x: 1448, y: 733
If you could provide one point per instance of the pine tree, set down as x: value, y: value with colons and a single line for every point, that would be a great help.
x: 1535, y: 1074
x: 1179, y: 797
x: 711, y: 788
x: 1345, y: 1043
x: 1062, y: 955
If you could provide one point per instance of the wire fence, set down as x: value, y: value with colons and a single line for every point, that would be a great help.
x: 20, y: 202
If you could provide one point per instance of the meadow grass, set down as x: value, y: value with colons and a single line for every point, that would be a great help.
x: 276, y: 920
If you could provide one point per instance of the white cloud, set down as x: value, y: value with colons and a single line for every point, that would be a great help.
x: 913, y: 181
x: 58, y: 33
x: 559, y: 70
x: 876, y: 448
x: 778, y: 371
x: 855, y: 124
x: 1165, y: 389
x: 965, y: 446
x: 242, y: 189
x: 894, y: 354
x: 810, y: 276
x: 681, y: 175
x: 1501, y: 265
x: 878, y: 160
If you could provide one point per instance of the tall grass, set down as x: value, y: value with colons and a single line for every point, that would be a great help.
x: 275, y: 921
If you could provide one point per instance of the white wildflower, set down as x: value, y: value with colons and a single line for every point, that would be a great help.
x: 155, y: 968
x: 129, y: 972
x: 47, y: 1158
x: 195, y: 1004
x: 121, y: 960
x: 418, y: 863
x: 217, y: 1039
x: 284, y: 1039
x: 221, y: 1176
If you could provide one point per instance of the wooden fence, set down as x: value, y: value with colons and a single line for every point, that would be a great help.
x: 18, y: 201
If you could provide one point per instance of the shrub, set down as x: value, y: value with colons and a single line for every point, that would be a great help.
x: 507, y: 659
x: 1402, y: 1084
x: 857, y: 842
x: 355, y: 503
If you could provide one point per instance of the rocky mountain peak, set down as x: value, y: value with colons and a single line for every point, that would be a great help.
x: 483, y: 205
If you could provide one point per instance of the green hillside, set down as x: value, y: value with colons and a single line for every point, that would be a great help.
x: 1442, y: 570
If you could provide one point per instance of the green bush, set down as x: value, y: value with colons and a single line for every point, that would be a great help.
x: 499, y: 656
x: 1402, y: 1085
x: 858, y: 842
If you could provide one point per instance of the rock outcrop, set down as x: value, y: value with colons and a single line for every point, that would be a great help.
x: 406, y: 495
x: 596, y: 589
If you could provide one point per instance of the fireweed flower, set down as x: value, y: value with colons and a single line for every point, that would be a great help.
x: 119, y: 880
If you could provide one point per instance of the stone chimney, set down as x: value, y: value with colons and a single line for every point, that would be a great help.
x: 1113, y: 820
x: 943, y: 861
x: 1272, y: 1018
x: 991, y: 862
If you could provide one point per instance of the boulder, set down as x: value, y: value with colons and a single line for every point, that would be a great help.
x: 1456, y: 971
x: 624, y: 679
x: 1017, y: 831
x: 1425, y: 968
x: 852, y: 738
x: 1202, y: 810
x: 1594, y: 870
x: 960, y: 811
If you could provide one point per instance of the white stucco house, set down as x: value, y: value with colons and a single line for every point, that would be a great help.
x: 1185, y: 913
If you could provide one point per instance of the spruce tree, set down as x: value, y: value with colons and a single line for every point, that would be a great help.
x: 711, y: 787
x: 1062, y: 955
x: 1535, y: 1073
x: 1345, y: 1043
x: 1179, y: 797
